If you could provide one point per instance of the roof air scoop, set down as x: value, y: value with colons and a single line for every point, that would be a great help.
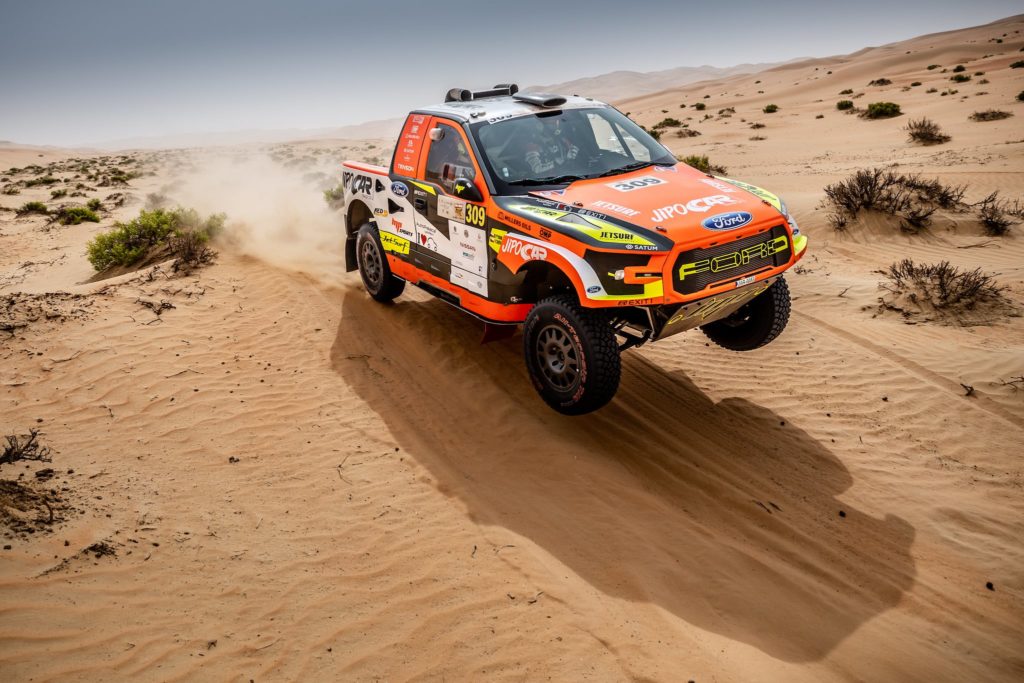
x: 540, y: 99
x: 463, y: 95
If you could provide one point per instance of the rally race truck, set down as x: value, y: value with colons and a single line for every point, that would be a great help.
x: 562, y: 215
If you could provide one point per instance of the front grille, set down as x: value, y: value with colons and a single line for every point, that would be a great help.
x: 696, y: 269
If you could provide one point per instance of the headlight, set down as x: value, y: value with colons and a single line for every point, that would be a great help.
x: 789, y: 218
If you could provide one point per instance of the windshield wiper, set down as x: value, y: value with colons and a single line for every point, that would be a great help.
x: 625, y: 169
x: 553, y: 180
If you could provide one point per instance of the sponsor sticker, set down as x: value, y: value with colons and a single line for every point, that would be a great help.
x: 451, y: 208
x: 719, y: 185
x: 394, y: 243
x: 636, y: 183
x: 524, y: 250
x: 617, y: 208
x: 399, y: 189
x: 700, y: 205
x: 727, y: 221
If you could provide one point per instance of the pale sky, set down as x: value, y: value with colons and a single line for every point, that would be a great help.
x: 75, y: 72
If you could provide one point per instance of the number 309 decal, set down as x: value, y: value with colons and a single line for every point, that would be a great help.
x: 476, y: 215
x: 636, y: 183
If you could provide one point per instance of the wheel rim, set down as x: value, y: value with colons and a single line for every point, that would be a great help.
x: 558, y: 357
x: 373, y: 268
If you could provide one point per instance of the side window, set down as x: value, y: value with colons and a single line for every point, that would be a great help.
x: 611, y: 137
x: 448, y: 158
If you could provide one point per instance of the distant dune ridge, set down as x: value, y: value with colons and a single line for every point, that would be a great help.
x: 258, y: 473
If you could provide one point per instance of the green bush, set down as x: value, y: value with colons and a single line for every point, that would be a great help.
x: 959, y: 68
x: 94, y: 204
x: 933, y: 66
x: 57, y: 194
x: 960, y: 78
x: 700, y: 106
x: 915, y: 84
x: 128, y: 242
x: 701, y: 163
x: 880, y: 81
x: 33, y: 207
x: 848, y: 91
x: 882, y: 110
x: 668, y: 123
x: 1017, y: 65
x: 1020, y: 96
x: 842, y: 105
x: 771, y: 109
x: 45, y: 180
x: 73, y: 215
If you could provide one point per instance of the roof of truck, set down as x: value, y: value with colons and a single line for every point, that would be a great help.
x: 502, y: 106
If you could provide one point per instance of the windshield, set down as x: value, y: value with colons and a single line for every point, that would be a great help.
x: 557, y: 147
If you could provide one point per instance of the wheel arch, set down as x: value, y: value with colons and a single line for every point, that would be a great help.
x: 356, y: 214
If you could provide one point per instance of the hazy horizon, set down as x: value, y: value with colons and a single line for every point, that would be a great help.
x: 79, y: 74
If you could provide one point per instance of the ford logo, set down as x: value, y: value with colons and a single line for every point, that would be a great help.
x: 727, y: 221
x: 399, y: 189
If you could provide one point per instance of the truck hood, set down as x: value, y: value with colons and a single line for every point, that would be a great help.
x: 679, y: 202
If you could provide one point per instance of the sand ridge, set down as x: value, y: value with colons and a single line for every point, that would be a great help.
x: 300, y: 484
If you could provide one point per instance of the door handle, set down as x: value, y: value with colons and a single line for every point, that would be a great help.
x: 420, y: 203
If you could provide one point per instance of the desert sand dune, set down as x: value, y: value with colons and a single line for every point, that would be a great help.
x: 260, y: 474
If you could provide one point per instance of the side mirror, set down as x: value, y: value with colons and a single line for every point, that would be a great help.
x: 465, y: 189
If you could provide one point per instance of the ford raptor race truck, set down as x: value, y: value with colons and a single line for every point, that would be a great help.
x: 562, y: 215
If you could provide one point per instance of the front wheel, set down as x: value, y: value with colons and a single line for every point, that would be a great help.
x: 373, y: 266
x: 572, y: 355
x: 755, y: 323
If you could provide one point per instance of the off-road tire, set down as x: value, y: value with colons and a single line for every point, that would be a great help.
x: 373, y: 266
x: 571, y: 354
x: 755, y: 323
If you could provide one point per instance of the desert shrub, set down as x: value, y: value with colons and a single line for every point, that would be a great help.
x: 908, y: 197
x: 45, y: 180
x: 984, y: 81
x: 960, y: 78
x: 57, y: 194
x: 959, y: 68
x: 979, y: 73
x: 94, y: 204
x: 848, y: 91
x: 701, y: 163
x: 687, y: 133
x: 771, y: 109
x: 915, y: 84
x: 190, y: 250
x: 1017, y: 65
x: 700, y: 106
x: 990, y: 115
x: 995, y: 215
x: 727, y: 112
x: 880, y: 81
x: 130, y: 241
x: 932, y: 67
x: 931, y: 90
x: 757, y: 138
x: 11, y: 190
x: 73, y: 215
x: 1020, y: 96
x: 335, y: 194
x: 668, y: 122
x: 33, y: 207
x: 942, y: 284
x: 655, y: 133
x: 926, y: 131
x: 842, y: 105
x: 756, y: 125
x: 882, y: 110
x: 820, y: 116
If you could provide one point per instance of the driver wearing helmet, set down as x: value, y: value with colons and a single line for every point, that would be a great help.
x: 551, y: 148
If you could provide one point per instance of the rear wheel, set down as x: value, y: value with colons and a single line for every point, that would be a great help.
x: 755, y: 323
x: 571, y: 354
x: 373, y: 266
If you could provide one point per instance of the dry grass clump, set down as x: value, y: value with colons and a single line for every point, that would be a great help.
x: 944, y: 292
x: 687, y: 133
x: 990, y: 115
x: 843, y: 105
x: 880, y: 81
x: 926, y: 131
x: 908, y: 197
x: 33, y: 207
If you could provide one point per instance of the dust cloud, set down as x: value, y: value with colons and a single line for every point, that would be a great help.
x: 276, y: 211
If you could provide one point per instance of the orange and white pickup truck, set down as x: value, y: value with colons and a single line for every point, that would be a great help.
x: 562, y: 215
